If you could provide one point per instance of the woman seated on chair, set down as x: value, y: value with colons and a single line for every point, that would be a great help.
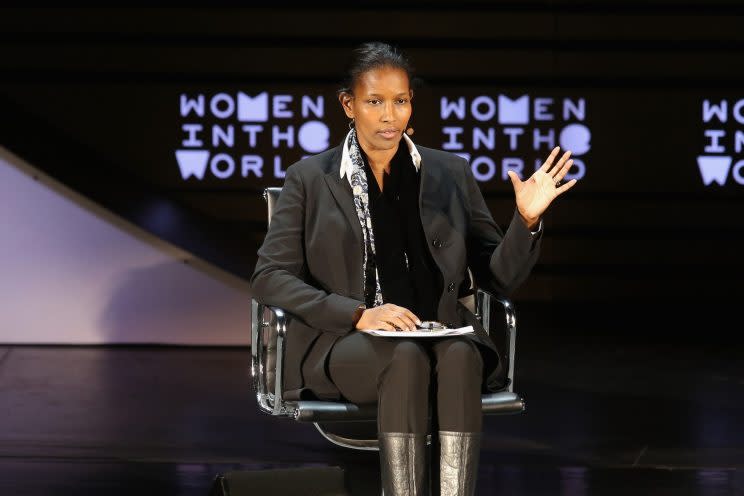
x: 379, y: 233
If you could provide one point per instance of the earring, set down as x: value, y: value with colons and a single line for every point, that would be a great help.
x: 409, y: 131
x: 351, y: 124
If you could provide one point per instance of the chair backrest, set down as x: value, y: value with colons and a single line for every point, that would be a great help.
x: 271, y: 195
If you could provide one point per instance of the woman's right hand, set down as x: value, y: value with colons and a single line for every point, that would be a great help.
x: 388, y: 317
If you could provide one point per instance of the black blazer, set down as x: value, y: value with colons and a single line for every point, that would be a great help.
x: 311, y: 261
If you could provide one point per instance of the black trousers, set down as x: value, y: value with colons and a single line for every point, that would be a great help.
x: 408, y: 377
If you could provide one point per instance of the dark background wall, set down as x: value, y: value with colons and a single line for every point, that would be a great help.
x: 640, y: 247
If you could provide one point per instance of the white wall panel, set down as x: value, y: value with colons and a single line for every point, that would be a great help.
x: 71, y: 272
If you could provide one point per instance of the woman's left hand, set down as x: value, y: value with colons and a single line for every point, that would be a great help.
x: 539, y: 190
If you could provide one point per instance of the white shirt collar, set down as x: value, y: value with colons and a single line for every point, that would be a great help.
x: 346, y: 164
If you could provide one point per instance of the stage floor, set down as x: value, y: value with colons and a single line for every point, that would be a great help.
x: 604, y: 418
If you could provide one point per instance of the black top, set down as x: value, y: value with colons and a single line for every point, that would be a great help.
x: 409, y: 276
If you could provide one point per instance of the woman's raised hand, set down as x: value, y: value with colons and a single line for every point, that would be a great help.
x: 388, y: 317
x: 541, y: 188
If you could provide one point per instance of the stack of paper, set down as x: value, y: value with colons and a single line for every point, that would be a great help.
x: 421, y: 333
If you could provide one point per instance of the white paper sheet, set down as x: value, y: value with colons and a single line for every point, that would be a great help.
x: 421, y: 334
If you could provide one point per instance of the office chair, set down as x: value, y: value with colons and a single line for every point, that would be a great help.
x: 347, y: 424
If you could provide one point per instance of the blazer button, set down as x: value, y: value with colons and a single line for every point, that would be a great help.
x: 437, y: 243
x: 451, y: 287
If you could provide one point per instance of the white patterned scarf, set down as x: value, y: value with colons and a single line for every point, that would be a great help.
x: 372, y: 291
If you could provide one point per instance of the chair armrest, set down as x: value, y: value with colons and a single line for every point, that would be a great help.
x: 268, y: 401
x: 503, y: 403
x: 484, y: 301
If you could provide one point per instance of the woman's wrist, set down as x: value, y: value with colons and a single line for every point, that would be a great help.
x: 531, y: 223
x: 358, y: 314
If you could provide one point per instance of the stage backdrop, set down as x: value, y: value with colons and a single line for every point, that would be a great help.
x: 175, y: 120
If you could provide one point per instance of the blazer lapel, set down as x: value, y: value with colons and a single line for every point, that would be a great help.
x: 341, y: 190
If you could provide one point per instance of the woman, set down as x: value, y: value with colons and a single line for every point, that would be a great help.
x: 378, y: 233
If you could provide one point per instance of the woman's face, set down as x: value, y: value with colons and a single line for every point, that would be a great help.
x: 380, y: 107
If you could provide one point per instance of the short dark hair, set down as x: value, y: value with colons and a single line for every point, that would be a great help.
x: 373, y: 55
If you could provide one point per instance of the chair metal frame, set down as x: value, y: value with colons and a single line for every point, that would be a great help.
x: 269, y: 326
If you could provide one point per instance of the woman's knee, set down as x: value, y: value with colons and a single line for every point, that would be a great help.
x: 411, y: 358
x: 460, y: 355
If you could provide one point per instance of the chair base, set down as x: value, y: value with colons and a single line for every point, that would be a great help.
x: 320, y: 412
x: 502, y: 403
